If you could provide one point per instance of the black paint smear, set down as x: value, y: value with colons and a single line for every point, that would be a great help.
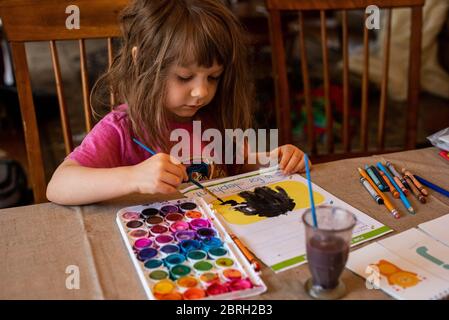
x: 265, y: 202
x: 230, y: 202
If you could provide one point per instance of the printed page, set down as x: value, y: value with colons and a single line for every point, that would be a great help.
x: 396, y: 276
x: 437, y: 229
x: 275, y: 236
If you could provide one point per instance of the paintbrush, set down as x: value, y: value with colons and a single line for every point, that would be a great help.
x: 199, y: 185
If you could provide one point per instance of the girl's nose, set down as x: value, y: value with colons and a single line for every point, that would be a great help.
x: 200, y: 91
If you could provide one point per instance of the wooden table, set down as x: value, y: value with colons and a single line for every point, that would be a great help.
x: 39, y: 242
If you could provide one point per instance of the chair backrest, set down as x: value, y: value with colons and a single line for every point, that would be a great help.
x: 45, y: 20
x: 283, y: 101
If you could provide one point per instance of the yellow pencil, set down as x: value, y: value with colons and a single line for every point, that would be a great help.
x: 387, y: 202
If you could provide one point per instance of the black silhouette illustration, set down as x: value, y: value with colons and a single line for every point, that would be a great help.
x: 264, y: 201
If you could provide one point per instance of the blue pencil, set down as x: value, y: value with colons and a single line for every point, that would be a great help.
x: 309, y: 183
x: 404, y: 200
x: 432, y: 186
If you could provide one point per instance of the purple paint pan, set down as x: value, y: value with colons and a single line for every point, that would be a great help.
x: 185, y: 235
x: 169, y: 209
x: 206, y: 233
x: 196, y: 224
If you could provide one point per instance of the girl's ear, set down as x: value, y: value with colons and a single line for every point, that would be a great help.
x: 134, y: 53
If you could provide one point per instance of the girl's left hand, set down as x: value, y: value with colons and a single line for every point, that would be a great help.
x: 291, y: 159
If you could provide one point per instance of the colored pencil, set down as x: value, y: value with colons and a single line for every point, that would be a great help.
x: 387, y: 202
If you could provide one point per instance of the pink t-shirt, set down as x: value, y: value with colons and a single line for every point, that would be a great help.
x: 110, y: 145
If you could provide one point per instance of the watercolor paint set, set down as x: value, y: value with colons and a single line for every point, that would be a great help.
x: 180, y: 250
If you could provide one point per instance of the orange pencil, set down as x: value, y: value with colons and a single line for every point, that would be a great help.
x: 393, y: 190
x: 245, y: 252
x: 387, y: 202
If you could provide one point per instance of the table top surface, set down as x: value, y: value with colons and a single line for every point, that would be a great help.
x: 40, y: 243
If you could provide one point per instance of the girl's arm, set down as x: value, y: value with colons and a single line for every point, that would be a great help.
x: 73, y: 184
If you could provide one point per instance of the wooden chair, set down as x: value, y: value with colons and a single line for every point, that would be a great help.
x: 45, y: 20
x: 275, y: 7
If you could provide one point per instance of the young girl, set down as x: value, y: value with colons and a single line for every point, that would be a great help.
x: 180, y: 61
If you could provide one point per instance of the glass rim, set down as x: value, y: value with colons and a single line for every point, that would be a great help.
x: 330, y: 230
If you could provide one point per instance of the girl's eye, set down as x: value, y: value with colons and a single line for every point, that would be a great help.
x: 184, y: 79
x: 214, y: 78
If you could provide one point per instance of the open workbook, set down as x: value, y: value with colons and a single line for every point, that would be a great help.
x: 264, y: 209
x: 411, y: 265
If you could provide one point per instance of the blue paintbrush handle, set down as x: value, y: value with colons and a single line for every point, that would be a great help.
x: 309, y: 183
x: 407, y: 204
x: 144, y: 146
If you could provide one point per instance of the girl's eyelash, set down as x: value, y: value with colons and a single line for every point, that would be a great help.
x: 187, y: 79
x: 184, y: 79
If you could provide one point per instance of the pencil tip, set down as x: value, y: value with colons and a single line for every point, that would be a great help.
x: 411, y: 210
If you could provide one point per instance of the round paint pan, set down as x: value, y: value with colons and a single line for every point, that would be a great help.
x: 224, y: 262
x: 180, y: 270
x: 175, y: 295
x: 153, y: 264
x: 179, y: 226
x: 129, y: 215
x: 240, y: 284
x: 208, y: 278
x: 216, y: 253
x: 142, y: 243
x: 232, y: 274
x: 203, y: 266
x: 190, y: 215
x: 169, y: 249
x: 134, y: 224
x: 138, y: 233
x: 173, y: 217
x: 154, y: 220
x: 164, y: 239
x: 163, y: 287
x: 196, y: 224
x: 158, y: 229
x: 174, y: 259
x: 146, y: 254
x: 205, y: 233
x: 187, y: 282
x: 194, y: 294
x: 189, y: 245
x: 196, y: 255
x: 158, y: 275
x: 169, y: 209
x: 148, y: 212
x: 185, y: 235
x: 216, y: 289
x: 212, y: 242
x: 187, y: 206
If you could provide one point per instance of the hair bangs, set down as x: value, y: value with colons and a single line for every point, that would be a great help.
x: 201, y: 41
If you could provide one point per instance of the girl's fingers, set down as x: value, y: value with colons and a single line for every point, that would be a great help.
x: 166, y: 188
x: 171, y: 179
x: 286, y: 154
x: 178, y: 170
x: 300, y: 166
x: 293, y: 163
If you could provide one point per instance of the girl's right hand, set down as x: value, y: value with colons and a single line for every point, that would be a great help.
x: 160, y: 173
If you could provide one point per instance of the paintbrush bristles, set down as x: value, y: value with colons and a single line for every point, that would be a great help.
x: 199, y: 185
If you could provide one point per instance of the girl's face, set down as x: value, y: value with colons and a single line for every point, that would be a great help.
x: 190, y: 88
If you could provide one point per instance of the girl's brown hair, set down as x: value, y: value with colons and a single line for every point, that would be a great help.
x: 168, y: 32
